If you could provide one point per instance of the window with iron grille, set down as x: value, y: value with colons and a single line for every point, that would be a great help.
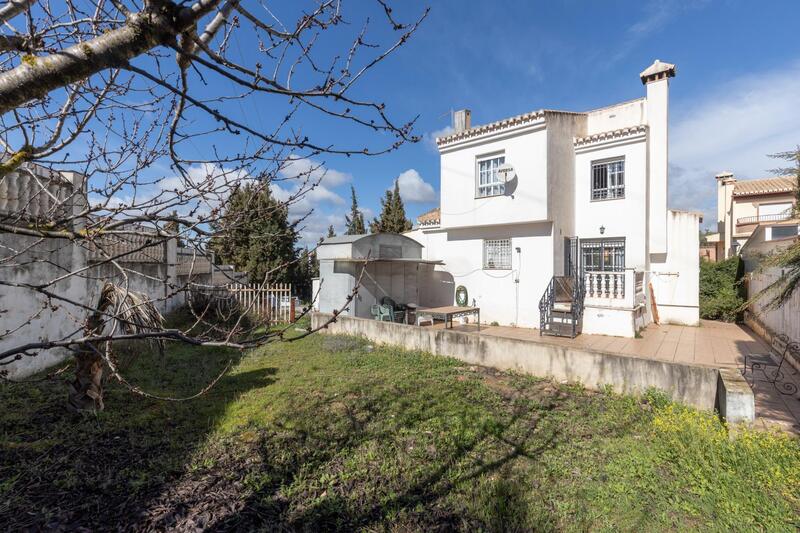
x: 603, y: 255
x: 490, y: 183
x: 608, y: 180
x: 497, y: 254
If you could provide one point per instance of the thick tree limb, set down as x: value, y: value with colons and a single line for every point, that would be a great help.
x: 14, y: 8
x: 38, y: 76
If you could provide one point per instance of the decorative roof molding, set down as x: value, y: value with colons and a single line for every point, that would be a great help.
x: 430, y: 218
x: 491, y: 127
x: 610, y: 135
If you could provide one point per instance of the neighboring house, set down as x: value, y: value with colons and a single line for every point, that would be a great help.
x: 768, y: 238
x: 743, y: 205
x: 765, y: 240
x: 708, y: 251
x: 531, y: 203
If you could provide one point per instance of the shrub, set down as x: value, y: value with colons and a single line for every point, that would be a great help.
x: 721, y: 290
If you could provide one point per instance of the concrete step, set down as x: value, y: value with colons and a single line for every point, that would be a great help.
x: 559, y: 329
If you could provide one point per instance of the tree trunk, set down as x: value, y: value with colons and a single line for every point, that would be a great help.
x: 86, y: 390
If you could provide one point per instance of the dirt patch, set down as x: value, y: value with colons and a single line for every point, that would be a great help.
x: 510, y: 386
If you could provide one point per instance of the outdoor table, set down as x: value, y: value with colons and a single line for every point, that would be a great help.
x: 449, y: 312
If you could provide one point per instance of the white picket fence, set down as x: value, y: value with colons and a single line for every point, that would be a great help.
x: 273, y: 303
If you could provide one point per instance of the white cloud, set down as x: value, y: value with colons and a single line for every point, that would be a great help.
x: 316, y: 225
x: 734, y: 128
x: 368, y: 213
x: 303, y: 168
x: 310, y: 182
x: 413, y: 188
x: 430, y: 137
x: 303, y: 183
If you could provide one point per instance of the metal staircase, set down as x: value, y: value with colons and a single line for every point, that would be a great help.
x: 561, y: 305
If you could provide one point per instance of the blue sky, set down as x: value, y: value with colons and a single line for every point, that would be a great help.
x: 735, y: 99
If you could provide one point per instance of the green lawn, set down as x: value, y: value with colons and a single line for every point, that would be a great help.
x: 329, y: 434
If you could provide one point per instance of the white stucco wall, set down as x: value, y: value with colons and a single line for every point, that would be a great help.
x: 657, y: 109
x: 624, y: 217
x: 562, y: 128
x: 337, y: 279
x: 500, y: 298
x: 617, y: 116
x: 676, y: 276
x: 552, y: 190
x: 525, y: 200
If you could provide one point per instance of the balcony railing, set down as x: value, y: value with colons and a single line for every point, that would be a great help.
x: 617, y: 289
x: 764, y: 218
x: 605, y: 284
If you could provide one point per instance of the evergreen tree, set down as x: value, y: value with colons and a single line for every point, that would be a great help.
x: 331, y: 232
x: 306, y: 270
x: 258, y: 236
x: 393, y: 214
x: 355, y: 221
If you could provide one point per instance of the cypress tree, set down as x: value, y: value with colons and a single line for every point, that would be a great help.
x: 257, y: 236
x: 355, y: 221
x: 393, y: 214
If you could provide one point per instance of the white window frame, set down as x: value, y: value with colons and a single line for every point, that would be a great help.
x: 488, y: 182
x: 794, y: 231
x: 497, y: 254
x: 615, y: 180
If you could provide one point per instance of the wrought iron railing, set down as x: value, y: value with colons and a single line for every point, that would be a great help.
x: 575, y: 292
x: 546, y: 305
x: 777, y: 217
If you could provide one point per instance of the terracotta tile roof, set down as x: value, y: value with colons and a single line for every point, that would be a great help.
x: 430, y: 218
x: 764, y: 186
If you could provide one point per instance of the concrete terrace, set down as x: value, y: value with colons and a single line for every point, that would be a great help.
x: 713, y: 344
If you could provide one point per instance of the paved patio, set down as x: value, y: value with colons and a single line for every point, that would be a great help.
x: 713, y: 344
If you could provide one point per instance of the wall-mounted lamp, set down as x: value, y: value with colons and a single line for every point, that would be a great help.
x: 602, y: 230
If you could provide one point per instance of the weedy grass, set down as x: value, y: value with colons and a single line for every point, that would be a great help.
x: 331, y: 433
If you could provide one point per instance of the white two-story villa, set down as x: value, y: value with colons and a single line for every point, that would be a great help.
x: 533, y: 203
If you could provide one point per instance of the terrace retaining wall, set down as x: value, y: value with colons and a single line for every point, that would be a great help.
x: 692, y: 385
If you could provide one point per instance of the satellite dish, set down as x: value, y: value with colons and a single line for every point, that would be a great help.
x: 506, y: 171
